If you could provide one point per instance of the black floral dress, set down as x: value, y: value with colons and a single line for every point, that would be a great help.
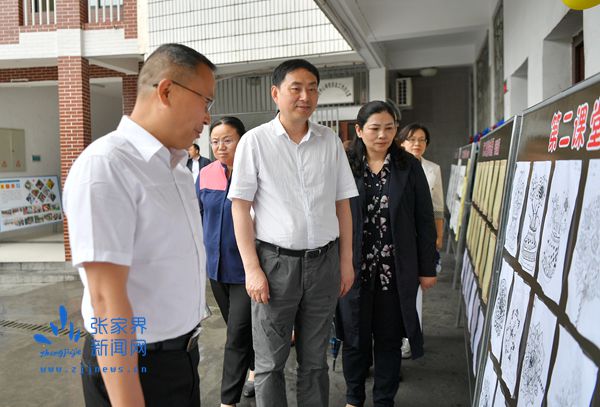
x: 377, y: 266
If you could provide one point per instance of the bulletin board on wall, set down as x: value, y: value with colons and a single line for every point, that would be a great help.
x: 542, y: 339
x: 496, y: 153
x: 29, y: 201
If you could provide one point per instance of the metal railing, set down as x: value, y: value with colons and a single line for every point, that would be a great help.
x: 101, y: 11
x: 328, y: 116
x: 39, y: 12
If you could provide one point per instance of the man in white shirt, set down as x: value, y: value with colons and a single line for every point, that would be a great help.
x: 298, y: 260
x: 136, y: 237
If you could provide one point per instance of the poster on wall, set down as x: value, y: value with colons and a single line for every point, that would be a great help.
x: 28, y: 202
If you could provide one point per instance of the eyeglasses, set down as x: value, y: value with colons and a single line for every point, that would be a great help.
x: 208, y: 101
x: 417, y: 140
x: 226, y: 142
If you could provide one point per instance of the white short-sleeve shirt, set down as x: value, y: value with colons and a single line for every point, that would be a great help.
x: 131, y: 201
x: 293, y: 187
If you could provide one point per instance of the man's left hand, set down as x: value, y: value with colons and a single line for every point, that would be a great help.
x: 347, y: 276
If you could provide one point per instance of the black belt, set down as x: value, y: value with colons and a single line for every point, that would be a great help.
x: 308, y: 253
x: 185, y: 342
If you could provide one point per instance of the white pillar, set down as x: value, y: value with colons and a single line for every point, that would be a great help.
x: 377, y: 84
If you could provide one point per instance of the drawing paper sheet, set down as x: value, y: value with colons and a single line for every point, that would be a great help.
x: 486, y: 398
x: 574, y: 375
x: 477, y: 339
x: 499, y: 194
x: 487, y: 272
x: 489, y: 203
x: 471, y: 306
x: 561, y: 202
x: 583, y: 301
x: 513, y: 331
x: 534, y: 368
x: 475, y: 307
x: 477, y: 184
x: 517, y: 197
x: 500, y: 308
x: 532, y: 222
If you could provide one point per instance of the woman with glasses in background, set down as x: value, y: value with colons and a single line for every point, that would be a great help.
x: 224, y: 264
x: 415, y: 139
x: 393, y: 244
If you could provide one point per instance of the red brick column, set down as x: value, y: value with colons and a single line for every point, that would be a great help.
x: 129, y: 18
x: 11, y: 15
x: 71, y: 13
x: 74, y: 116
x: 129, y: 93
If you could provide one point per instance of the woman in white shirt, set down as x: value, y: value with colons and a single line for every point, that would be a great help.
x: 415, y: 138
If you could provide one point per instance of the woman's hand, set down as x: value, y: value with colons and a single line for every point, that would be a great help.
x: 427, y: 282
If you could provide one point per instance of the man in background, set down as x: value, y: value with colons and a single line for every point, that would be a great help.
x: 195, y: 161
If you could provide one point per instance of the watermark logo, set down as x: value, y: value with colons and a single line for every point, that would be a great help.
x: 74, y: 336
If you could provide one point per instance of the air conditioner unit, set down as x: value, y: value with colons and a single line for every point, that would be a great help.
x: 404, y: 92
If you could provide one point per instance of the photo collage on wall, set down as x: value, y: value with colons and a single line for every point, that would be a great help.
x: 29, y: 201
x: 543, y: 339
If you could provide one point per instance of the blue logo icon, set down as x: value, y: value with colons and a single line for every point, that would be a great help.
x: 74, y: 335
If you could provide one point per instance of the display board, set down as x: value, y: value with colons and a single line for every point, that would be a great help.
x: 467, y: 156
x: 29, y: 201
x: 496, y: 151
x: 541, y: 341
x: 461, y: 187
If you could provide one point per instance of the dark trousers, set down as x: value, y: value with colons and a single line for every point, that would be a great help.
x: 380, y: 326
x: 234, y: 303
x: 171, y: 378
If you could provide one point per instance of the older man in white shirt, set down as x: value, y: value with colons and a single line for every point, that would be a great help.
x: 296, y: 176
x: 124, y: 194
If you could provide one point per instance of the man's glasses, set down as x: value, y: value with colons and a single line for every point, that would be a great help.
x: 208, y: 101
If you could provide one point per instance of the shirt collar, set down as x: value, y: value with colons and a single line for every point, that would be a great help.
x: 280, y: 130
x: 148, y: 145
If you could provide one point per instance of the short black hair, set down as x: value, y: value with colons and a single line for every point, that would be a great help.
x: 291, y: 65
x: 230, y: 121
x: 176, y: 61
x: 196, y: 147
x: 410, y: 129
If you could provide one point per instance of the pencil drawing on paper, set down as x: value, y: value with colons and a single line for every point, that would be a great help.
x: 500, y: 308
x: 530, y: 241
x: 531, y: 376
x: 559, y: 210
x: 516, y: 206
x: 587, y: 257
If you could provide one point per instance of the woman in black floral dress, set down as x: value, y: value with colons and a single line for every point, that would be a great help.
x: 393, y: 248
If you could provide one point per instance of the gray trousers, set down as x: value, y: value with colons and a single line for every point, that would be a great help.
x: 303, y: 295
